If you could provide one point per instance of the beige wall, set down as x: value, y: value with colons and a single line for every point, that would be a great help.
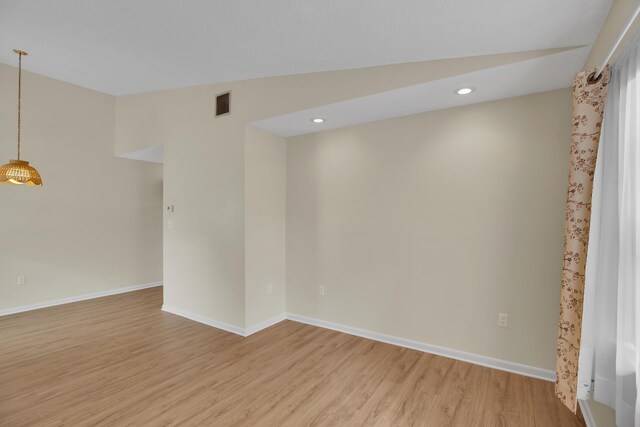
x: 483, y: 187
x: 204, y: 169
x: 204, y: 180
x: 226, y: 243
x: 426, y: 227
x: 96, y: 224
x: 265, y: 191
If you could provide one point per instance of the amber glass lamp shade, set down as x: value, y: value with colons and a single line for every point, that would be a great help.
x: 19, y: 172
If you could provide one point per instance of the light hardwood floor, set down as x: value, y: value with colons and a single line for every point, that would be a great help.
x: 119, y: 360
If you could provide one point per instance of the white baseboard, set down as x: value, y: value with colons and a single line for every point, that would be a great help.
x: 477, y: 359
x: 206, y: 320
x: 490, y: 362
x: 264, y: 324
x: 586, y: 413
x: 100, y: 294
x: 222, y: 325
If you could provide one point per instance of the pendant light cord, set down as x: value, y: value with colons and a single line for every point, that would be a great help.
x: 19, y: 98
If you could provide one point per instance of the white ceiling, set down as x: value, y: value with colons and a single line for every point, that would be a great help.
x: 540, y: 74
x: 129, y: 46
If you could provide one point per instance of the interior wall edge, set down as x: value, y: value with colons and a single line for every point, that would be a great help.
x: 265, y: 324
x: 615, y: 21
x: 476, y: 359
x: 78, y: 298
x: 586, y: 414
x: 238, y: 330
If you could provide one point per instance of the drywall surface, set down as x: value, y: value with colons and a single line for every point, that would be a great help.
x: 204, y: 181
x: 265, y: 234
x: 96, y: 224
x: 204, y: 166
x: 426, y: 227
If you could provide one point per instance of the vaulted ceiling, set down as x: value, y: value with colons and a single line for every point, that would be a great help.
x: 131, y: 46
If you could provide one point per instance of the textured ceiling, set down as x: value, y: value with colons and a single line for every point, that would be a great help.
x: 129, y: 46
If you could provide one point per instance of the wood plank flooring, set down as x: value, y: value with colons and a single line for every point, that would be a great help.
x: 120, y: 361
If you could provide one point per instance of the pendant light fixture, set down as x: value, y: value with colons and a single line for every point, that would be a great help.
x: 18, y: 171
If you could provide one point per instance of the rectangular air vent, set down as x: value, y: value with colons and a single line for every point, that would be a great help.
x: 223, y: 104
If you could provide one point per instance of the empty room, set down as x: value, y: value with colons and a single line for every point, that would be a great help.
x: 320, y: 213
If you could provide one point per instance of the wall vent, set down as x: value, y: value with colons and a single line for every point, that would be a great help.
x: 223, y: 104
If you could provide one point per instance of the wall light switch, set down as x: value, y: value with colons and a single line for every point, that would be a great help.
x: 321, y: 291
x: 170, y: 224
x: 22, y: 280
x: 503, y: 319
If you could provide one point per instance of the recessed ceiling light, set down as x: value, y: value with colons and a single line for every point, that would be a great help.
x: 318, y: 120
x: 464, y: 91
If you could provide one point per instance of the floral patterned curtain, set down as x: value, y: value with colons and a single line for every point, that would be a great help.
x: 588, y: 106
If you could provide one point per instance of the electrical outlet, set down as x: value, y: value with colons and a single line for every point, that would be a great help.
x: 269, y: 289
x: 321, y: 291
x: 22, y: 280
x: 503, y: 319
